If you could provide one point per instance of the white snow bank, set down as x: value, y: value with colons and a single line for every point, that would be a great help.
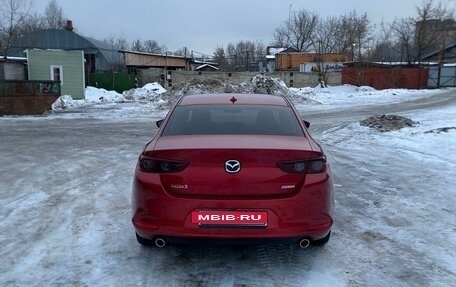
x: 149, y: 93
x: 153, y: 98
x: 336, y: 97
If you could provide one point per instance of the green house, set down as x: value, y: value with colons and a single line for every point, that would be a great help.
x: 58, y: 65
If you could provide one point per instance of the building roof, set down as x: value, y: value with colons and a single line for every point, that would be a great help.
x: 274, y: 50
x: 152, y: 54
x: 206, y: 65
x: 438, y: 51
x: 65, y: 40
x: 12, y: 59
x: 388, y: 64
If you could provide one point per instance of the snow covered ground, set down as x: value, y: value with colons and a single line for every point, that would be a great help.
x: 65, y: 181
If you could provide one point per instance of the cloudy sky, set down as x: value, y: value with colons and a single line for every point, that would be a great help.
x: 202, y: 25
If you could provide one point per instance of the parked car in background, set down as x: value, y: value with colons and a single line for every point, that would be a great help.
x: 232, y: 168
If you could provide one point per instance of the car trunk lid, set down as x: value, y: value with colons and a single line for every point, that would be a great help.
x: 212, y: 170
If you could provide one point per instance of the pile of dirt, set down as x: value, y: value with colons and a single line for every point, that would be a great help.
x: 386, y: 123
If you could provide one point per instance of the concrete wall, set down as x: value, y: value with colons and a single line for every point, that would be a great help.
x: 291, y: 79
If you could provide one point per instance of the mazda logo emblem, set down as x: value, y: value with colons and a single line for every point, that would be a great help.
x: 232, y: 166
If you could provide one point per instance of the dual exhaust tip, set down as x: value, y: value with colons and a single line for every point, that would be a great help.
x: 160, y: 243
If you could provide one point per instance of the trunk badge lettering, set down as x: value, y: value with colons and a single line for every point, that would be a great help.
x: 179, y: 186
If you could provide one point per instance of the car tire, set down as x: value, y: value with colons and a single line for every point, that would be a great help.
x: 323, y: 241
x: 144, y: 241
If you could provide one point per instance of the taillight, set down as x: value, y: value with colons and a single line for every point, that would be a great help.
x: 155, y: 165
x: 314, y: 165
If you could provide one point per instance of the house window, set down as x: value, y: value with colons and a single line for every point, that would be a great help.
x: 57, y: 73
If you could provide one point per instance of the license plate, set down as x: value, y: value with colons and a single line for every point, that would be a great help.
x: 234, y: 218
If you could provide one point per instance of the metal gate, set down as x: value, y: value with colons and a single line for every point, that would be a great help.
x: 442, y: 76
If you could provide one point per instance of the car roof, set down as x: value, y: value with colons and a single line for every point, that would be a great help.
x: 240, y: 99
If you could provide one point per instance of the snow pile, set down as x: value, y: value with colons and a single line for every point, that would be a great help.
x: 150, y: 93
x: 268, y: 85
x: 386, y: 123
x: 154, y: 98
x: 347, y: 96
x: 257, y: 85
x: 66, y: 102
x: 305, y: 96
x: 97, y: 96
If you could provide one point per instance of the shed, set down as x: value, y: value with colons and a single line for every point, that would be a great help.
x: 58, y: 65
x: 141, y: 60
x: 98, y: 55
x: 293, y: 61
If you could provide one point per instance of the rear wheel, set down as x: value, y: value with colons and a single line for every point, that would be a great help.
x: 323, y: 241
x: 144, y: 241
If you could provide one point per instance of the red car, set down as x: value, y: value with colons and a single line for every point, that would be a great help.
x: 232, y: 168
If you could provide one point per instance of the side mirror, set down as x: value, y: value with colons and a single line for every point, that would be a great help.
x: 306, y: 123
x: 159, y: 123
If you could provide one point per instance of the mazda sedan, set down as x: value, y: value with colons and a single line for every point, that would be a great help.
x: 232, y: 168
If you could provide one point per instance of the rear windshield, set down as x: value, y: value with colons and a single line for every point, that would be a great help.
x: 233, y: 119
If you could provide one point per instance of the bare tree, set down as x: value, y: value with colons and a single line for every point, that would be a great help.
x: 385, y: 48
x: 357, y: 30
x: 403, y: 31
x: 117, y: 42
x: 137, y: 46
x: 220, y: 58
x: 425, y: 32
x: 184, y: 52
x: 298, y: 31
x: 13, y: 13
x: 428, y: 26
x: 327, y: 36
x: 243, y: 54
x: 121, y: 44
x: 31, y: 23
x: 152, y: 46
x: 53, y: 15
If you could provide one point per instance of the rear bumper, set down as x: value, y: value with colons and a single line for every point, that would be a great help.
x: 230, y: 241
x: 308, y: 214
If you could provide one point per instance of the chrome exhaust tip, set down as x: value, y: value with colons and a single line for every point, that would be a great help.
x: 304, y: 243
x: 160, y: 242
